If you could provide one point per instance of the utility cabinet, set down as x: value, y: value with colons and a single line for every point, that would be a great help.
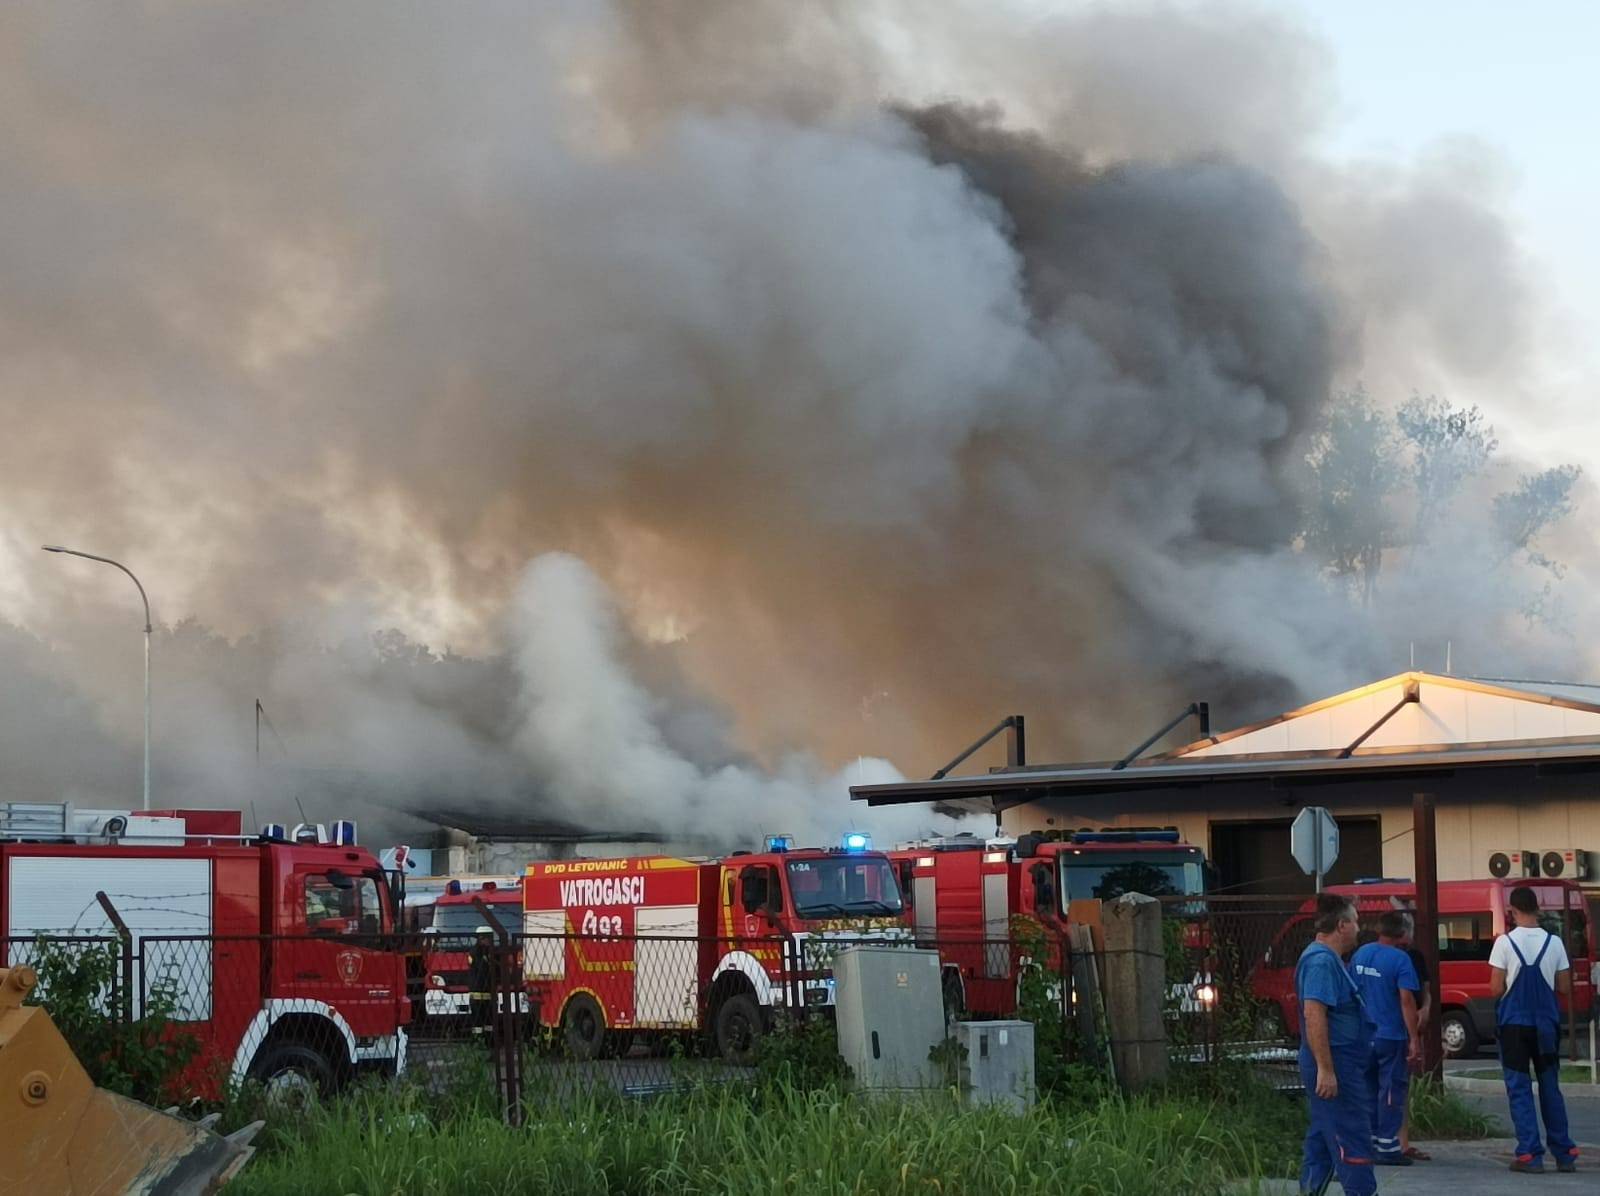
x: 890, y: 1013
x: 996, y: 1066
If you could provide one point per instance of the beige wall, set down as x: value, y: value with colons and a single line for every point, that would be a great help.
x: 1536, y: 815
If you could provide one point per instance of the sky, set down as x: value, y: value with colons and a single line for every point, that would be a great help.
x: 1413, y: 78
x: 887, y: 367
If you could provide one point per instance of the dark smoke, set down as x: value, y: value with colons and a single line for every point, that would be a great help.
x: 889, y: 370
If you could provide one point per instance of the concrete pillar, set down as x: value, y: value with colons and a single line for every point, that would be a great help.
x: 1136, y: 981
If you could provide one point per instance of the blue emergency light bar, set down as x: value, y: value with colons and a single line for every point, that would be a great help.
x: 274, y: 830
x: 453, y: 889
x: 344, y: 833
x: 780, y: 842
x: 857, y: 841
x: 1126, y: 837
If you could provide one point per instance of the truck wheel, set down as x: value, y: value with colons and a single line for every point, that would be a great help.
x: 1459, y: 1034
x: 293, y: 1075
x: 583, y: 1026
x: 738, y: 1029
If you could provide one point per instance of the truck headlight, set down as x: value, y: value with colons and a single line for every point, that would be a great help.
x: 436, y: 980
x: 1206, y: 994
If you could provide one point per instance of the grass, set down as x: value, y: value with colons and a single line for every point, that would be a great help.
x: 1437, y: 1112
x: 1571, y: 1073
x: 777, y: 1139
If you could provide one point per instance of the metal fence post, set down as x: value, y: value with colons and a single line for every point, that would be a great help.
x: 509, y: 1024
x: 502, y: 1020
x: 126, y: 937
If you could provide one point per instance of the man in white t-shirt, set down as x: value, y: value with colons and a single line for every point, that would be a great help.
x: 1529, y: 939
x: 1527, y: 967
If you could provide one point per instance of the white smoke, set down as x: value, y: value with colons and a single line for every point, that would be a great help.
x: 592, y: 733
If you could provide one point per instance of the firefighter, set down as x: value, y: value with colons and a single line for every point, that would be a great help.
x: 480, y: 982
x: 1527, y: 967
x: 1335, y: 1054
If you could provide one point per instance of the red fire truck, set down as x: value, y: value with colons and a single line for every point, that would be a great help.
x: 273, y: 948
x: 964, y: 892
x: 449, y: 939
x: 655, y: 945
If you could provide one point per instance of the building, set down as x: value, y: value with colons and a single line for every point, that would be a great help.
x: 1514, y: 766
x: 470, y: 842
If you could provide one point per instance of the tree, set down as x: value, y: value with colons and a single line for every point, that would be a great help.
x: 1449, y: 445
x: 1355, y: 469
x: 1537, y: 501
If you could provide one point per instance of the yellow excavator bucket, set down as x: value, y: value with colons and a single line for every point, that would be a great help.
x: 62, y: 1136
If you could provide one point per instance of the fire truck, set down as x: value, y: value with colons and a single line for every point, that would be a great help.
x: 654, y: 945
x: 448, y: 940
x: 274, y: 952
x: 963, y: 893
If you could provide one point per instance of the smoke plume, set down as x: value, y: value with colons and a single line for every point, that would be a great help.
x: 871, y: 372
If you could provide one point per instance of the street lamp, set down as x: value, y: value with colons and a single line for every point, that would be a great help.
x: 105, y: 560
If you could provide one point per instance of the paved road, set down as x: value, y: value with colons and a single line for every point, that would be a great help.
x: 1470, y: 1169
x: 1583, y: 1111
x: 1480, y: 1168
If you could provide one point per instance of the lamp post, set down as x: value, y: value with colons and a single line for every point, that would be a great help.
x: 105, y: 560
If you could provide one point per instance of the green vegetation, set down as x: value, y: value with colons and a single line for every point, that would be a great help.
x: 1571, y: 1073
x: 82, y: 987
x: 802, y: 1054
x: 1437, y: 1112
x: 774, y: 1139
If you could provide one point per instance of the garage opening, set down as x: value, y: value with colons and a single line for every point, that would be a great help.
x: 1251, y: 856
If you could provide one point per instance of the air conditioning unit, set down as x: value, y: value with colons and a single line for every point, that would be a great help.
x: 1566, y: 863
x: 1514, y: 863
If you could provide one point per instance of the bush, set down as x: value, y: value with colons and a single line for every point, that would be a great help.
x: 802, y: 1053
x: 80, y: 984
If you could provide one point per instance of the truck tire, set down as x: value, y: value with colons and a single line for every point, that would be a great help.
x: 293, y: 1074
x: 583, y: 1028
x: 1459, y: 1034
x: 738, y: 1028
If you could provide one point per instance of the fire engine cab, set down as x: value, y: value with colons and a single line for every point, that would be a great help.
x: 274, y: 947
x: 655, y: 945
x: 964, y: 892
x: 448, y: 940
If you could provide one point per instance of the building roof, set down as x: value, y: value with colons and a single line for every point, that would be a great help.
x: 506, y: 826
x: 1413, y: 723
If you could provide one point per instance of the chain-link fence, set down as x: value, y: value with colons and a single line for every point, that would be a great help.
x: 1230, y: 975
x: 509, y: 1019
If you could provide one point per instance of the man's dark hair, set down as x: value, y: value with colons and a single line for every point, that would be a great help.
x: 1395, y: 924
x: 1332, y: 908
x: 1522, y: 898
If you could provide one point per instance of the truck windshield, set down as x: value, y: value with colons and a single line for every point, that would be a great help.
x: 463, y: 918
x: 841, y: 886
x: 1107, y: 875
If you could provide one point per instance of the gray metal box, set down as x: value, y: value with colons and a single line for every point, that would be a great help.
x: 997, y: 1067
x: 890, y: 1014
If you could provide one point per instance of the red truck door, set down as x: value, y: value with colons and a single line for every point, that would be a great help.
x: 339, y: 959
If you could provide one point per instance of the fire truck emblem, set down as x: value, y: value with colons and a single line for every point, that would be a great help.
x: 349, y: 966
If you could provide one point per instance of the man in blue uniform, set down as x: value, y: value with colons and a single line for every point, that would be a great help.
x: 1335, y: 1049
x: 1527, y: 967
x: 1388, y: 983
